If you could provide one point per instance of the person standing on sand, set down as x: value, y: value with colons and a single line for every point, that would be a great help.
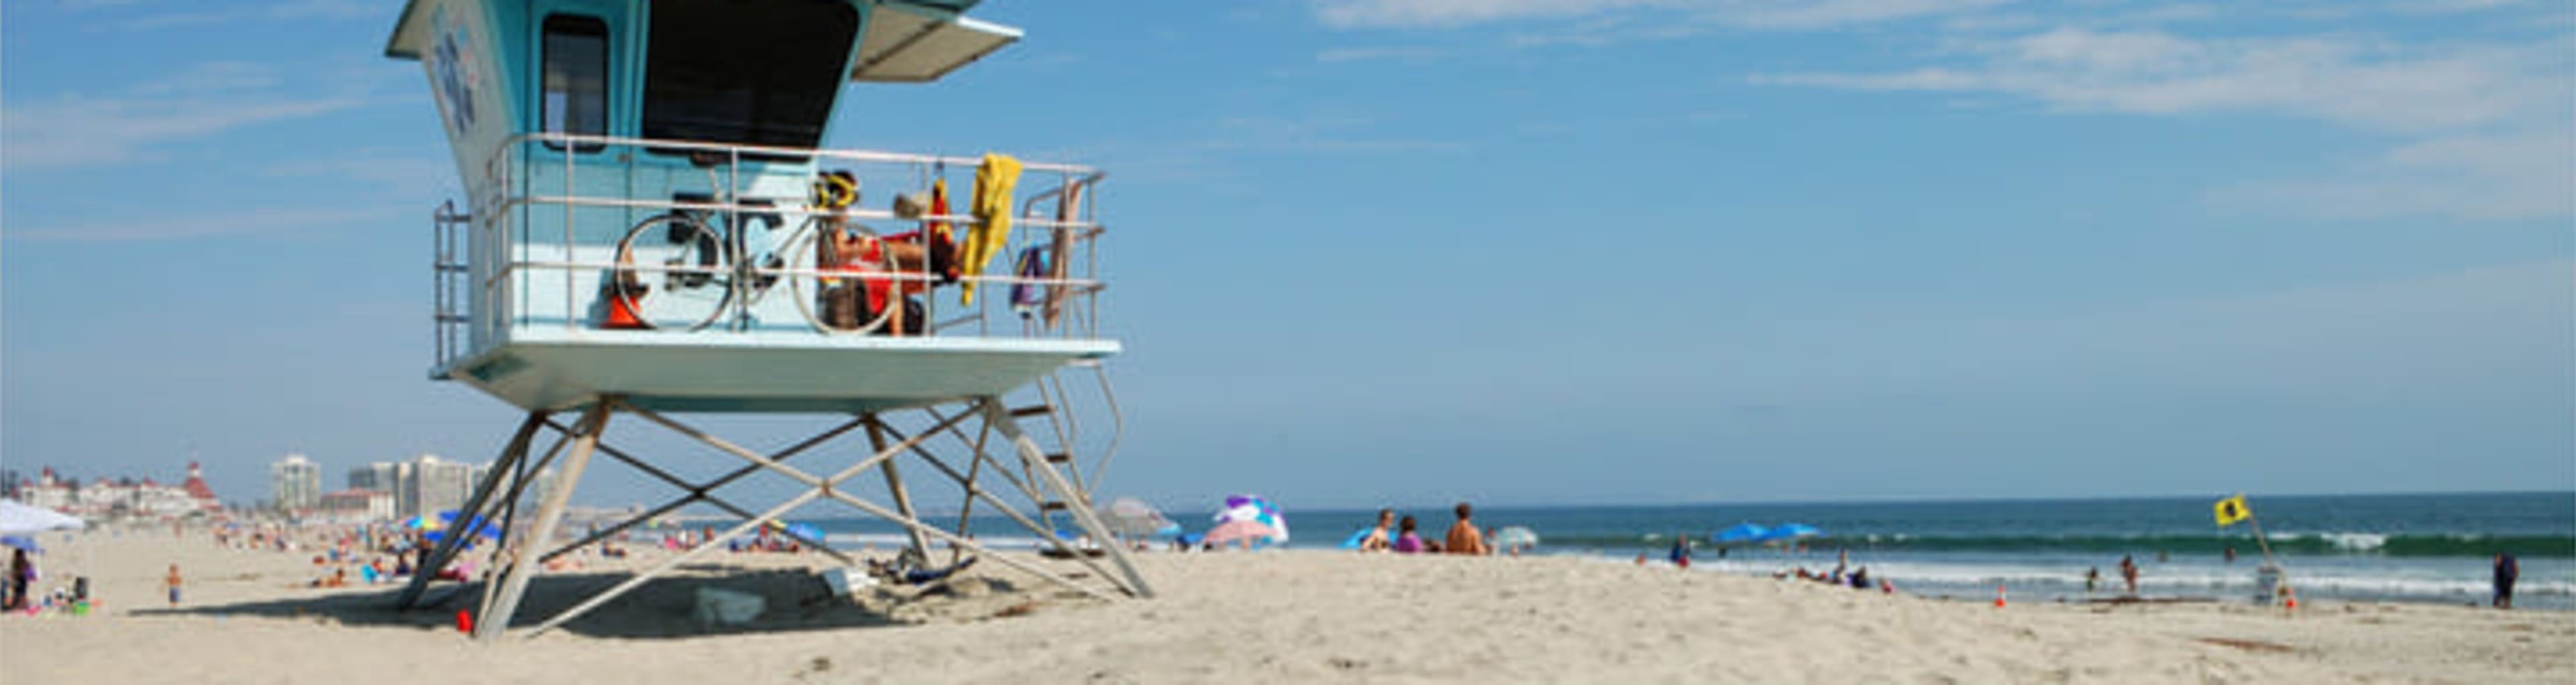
x: 2507, y: 570
x: 173, y: 583
x: 1463, y: 536
x: 2092, y: 579
x: 2129, y: 572
x: 22, y: 578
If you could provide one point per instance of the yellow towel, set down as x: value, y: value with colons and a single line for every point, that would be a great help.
x: 992, y: 207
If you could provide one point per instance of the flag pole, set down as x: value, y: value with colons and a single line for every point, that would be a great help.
x: 2259, y: 539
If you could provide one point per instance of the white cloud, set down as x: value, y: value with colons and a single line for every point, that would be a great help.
x: 2480, y: 129
x: 2364, y: 84
x: 1815, y: 14
x: 2474, y: 177
x: 204, y: 100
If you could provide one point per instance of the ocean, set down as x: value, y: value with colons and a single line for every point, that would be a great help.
x: 2431, y: 548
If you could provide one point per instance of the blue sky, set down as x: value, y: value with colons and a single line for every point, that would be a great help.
x: 1514, y: 251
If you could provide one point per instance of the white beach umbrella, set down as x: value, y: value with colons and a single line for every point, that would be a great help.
x: 19, y: 519
x: 1134, y: 518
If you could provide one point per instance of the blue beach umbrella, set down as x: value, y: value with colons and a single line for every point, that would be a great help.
x: 480, y: 527
x: 22, y: 542
x: 1791, y: 531
x: 1740, y: 533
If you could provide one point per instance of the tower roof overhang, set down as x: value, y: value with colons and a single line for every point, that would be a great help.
x: 907, y: 41
x: 920, y: 42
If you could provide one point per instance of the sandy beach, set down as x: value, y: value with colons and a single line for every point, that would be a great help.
x: 1293, y: 616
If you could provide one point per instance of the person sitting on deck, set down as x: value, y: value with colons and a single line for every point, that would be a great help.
x: 850, y: 304
x: 849, y: 247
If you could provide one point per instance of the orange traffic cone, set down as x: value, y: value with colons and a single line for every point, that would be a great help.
x: 1999, y: 595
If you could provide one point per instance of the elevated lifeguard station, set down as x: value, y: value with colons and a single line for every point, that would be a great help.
x: 655, y: 229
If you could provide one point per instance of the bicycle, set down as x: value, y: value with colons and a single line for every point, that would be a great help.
x: 706, y: 271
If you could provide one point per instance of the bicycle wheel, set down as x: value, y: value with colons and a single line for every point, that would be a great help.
x: 670, y: 274
x: 835, y: 304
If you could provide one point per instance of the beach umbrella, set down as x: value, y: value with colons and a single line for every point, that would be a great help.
x: 1246, y: 529
x: 1515, y: 536
x: 22, y: 542
x: 1134, y: 518
x: 19, y: 519
x: 1740, y: 533
x: 803, y: 530
x: 1255, y: 509
x: 447, y: 519
x: 1791, y: 531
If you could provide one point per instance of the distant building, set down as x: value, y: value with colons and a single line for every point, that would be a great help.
x: 296, y: 483
x: 357, y: 506
x: 533, y: 493
x: 198, y: 491
x: 391, y: 478
x: 437, y: 485
x: 120, y: 497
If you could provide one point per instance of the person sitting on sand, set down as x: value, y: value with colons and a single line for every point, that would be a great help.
x: 1377, y: 541
x: 1463, y: 536
x: 1410, y: 541
x: 1860, y: 579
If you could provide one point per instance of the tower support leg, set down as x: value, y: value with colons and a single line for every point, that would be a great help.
x: 526, y: 550
x: 894, y: 486
x: 447, y: 546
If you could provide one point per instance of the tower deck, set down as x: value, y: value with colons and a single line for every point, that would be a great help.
x: 550, y: 368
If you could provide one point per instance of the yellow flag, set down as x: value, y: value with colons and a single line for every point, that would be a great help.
x: 2232, y: 510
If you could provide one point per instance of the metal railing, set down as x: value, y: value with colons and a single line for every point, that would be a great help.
x: 560, y: 216
x: 448, y: 282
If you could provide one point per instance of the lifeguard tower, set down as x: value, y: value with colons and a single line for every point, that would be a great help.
x: 655, y: 230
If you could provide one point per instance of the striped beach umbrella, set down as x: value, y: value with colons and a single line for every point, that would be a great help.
x: 1254, y: 509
